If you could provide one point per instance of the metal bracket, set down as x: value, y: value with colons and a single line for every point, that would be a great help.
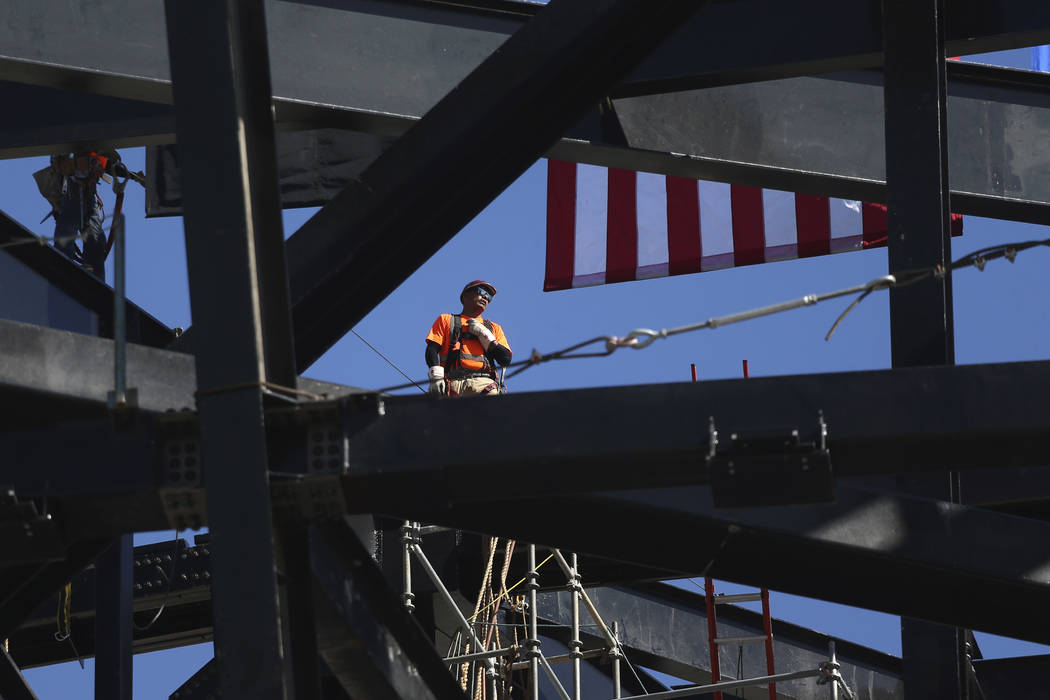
x: 770, y: 467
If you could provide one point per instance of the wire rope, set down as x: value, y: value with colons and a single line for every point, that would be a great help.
x: 641, y: 338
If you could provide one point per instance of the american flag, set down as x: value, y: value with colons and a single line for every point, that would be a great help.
x: 606, y: 225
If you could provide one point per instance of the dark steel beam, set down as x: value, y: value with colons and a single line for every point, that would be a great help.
x: 362, y: 625
x: 23, y: 590
x: 921, y: 316
x: 889, y: 421
x: 995, y: 114
x: 13, y: 685
x: 70, y: 278
x: 239, y: 299
x: 880, y: 422
x: 384, y: 44
x: 659, y: 623
x: 1018, y: 677
x: 958, y: 562
x: 113, y: 620
x: 441, y: 173
x: 52, y: 120
x: 185, y: 596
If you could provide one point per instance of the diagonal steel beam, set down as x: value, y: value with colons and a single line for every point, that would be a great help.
x: 442, y: 172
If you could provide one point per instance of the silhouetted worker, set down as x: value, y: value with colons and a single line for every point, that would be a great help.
x: 463, y: 349
x: 70, y: 185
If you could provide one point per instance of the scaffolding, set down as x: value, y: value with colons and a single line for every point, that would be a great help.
x: 485, y: 671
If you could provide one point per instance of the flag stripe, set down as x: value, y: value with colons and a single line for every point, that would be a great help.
x: 814, y: 225
x: 748, y: 237
x: 622, y: 227
x: 683, y: 226
x: 608, y: 225
x: 561, y: 224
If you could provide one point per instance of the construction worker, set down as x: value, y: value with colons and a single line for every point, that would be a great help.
x: 463, y: 349
x: 70, y: 185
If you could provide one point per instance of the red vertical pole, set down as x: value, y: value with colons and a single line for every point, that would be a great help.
x: 767, y: 627
x: 693, y: 368
x: 712, y: 633
x: 746, y: 373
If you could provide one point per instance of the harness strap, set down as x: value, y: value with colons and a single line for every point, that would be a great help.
x: 453, y: 367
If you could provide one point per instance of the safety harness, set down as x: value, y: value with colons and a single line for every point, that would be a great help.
x: 456, y: 352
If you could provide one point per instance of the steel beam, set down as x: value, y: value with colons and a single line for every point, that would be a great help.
x: 921, y: 317
x: 879, y: 422
x: 71, y: 279
x: 23, y: 589
x: 659, y: 623
x: 441, y: 173
x: 888, y: 421
x: 13, y: 685
x: 407, y: 56
x: 371, y: 644
x: 958, y: 562
x: 239, y: 300
x: 113, y: 621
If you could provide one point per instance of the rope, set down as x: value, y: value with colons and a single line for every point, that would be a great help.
x: 503, y: 595
x: 62, y: 621
x: 388, y: 361
x: 277, y: 388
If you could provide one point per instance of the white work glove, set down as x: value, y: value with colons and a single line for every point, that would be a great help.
x: 437, y: 380
x: 483, y: 334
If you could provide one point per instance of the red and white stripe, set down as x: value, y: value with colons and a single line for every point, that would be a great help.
x: 606, y: 225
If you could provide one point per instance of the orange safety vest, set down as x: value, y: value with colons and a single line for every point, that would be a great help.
x: 460, y: 361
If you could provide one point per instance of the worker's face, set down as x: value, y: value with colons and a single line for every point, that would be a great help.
x: 475, y: 300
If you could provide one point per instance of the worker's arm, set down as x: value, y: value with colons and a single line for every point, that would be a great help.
x: 498, y: 353
x: 433, y: 353
x: 435, y: 373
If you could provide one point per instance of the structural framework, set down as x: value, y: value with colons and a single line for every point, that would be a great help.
x: 849, y: 98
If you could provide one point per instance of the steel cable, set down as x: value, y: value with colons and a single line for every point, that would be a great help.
x: 641, y: 338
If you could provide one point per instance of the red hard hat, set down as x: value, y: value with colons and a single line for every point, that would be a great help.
x: 479, y: 283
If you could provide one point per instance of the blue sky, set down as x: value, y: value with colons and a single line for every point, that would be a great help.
x: 1001, y: 314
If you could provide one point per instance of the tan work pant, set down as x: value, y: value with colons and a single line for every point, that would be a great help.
x: 484, y: 386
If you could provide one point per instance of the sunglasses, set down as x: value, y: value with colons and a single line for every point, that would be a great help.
x: 484, y: 293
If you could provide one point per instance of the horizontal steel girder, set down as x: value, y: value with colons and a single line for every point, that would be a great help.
x: 403, y: 57
x: 885, y: 421
x: 873, y: 549
x: 879, y: 422
x: 659, y: 626
x: 805, y: 134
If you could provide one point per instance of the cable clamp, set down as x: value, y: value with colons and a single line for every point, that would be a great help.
x: 1010, y: 254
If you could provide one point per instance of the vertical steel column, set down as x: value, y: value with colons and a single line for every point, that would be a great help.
x: 113, y: 655
x: 577, y: 645
x: 239, y: 300
x: 917, y: 179
x: 533, y: 642
x: 617, y: 689
x: 921, y: 327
